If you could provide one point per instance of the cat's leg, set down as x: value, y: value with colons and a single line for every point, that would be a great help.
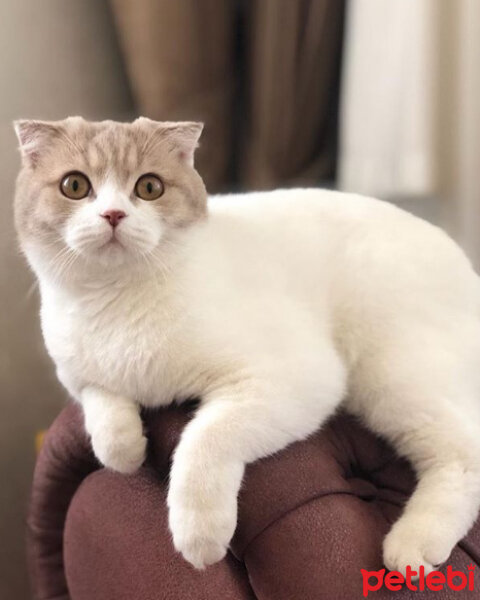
x: 115, y: 428
x: 446, y: 500
x: 237, y: 425
x: 427, y: 406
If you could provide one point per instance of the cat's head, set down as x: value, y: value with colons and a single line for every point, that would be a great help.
x: 106, y: 194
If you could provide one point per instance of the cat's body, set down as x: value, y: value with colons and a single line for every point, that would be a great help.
x: 279, y: 273
x: 274, y: 309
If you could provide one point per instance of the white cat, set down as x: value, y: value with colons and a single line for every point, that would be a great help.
x: 274, y: 308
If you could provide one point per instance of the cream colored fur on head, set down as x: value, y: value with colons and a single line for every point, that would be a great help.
x: 274, y: 308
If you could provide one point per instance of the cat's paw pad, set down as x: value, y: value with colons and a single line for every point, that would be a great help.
x: 415, y: 544
x: 201, y: 536
x: 123, y: 451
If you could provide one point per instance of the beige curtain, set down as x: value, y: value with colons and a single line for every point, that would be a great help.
x: 388, y: 94
x: 457, y: 123
x: 410, y: 109
x: 180, y: 64
x: 263, y: 75
x: 294, y: 61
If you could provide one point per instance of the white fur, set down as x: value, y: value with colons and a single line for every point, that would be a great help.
x: 272, y: 310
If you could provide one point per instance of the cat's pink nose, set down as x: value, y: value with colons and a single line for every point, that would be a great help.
x: 113, y: 216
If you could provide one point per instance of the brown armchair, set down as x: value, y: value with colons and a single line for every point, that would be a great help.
x: 310, y: 518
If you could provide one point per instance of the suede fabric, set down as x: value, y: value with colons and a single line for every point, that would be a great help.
x: 310, y: 518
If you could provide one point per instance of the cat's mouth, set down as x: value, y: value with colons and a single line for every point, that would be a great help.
x: 112, y: 242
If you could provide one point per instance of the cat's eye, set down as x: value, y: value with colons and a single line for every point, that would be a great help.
x: 149, y: 187
x: 75, y: 185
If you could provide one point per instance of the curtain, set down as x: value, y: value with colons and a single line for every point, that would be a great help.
x: 386, y: 143
x: 294, y: 52
x: 263, y: 75
x: 410, y: 115
x: 458, y: 120
x: 180, y: 63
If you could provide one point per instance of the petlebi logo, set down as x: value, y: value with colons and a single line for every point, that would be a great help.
x: 417, y: 580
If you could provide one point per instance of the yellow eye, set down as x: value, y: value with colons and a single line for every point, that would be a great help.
x: 75, y: 185
x: 149, y: 187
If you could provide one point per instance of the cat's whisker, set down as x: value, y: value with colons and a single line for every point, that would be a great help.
x: 64, y: 260
x: 30, y: 292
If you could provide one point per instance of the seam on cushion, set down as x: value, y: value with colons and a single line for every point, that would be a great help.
x: 305, y: 503
x: 342, y: 443
x: 389, y: 487
x: 393, y: 489
x: 469, y: 550
x: 290, y: 510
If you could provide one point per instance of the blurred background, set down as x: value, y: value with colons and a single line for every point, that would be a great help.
x: 376, y: 97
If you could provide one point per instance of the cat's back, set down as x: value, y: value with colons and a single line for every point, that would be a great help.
x: 341, y: 223
x: 359, y: 243
x: 330, y: 212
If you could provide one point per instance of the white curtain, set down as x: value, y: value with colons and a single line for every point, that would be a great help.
x: 410, y: 109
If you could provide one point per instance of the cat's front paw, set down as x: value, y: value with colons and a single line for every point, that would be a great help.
x: 416, y: 542
x: 121, y: 449
x: 201, y: 534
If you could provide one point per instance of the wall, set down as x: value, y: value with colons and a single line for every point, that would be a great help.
x: 58, y: 57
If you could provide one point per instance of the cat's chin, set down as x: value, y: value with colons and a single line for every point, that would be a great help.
x: 116, y: 253
x: 112, y: 251
x: 111, y: 254
x: 113, y: 245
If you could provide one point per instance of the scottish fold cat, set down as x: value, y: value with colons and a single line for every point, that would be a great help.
x: 274, y: 308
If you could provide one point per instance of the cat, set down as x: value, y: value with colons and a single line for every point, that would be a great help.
x: 274, y: 308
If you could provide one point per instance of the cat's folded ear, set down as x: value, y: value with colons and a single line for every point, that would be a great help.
x: 185, y: 136
x: 33, y: 136
x: 181, y: 136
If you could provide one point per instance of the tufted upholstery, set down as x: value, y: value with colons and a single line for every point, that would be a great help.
x: 310, y: 518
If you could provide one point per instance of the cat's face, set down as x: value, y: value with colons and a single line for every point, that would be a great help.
x: 104, y: 194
